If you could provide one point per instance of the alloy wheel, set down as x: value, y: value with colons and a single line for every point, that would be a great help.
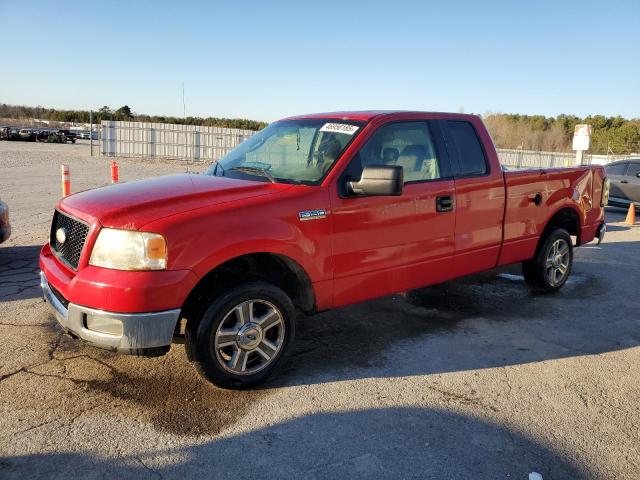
x: 249, y: 337
x: 557, y: 263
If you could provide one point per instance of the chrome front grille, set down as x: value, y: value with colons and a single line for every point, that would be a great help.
x: 75, y: 233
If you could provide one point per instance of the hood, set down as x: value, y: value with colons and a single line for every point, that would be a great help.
x: 134, y: 204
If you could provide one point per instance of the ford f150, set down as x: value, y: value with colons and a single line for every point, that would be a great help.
x: 313, y: 212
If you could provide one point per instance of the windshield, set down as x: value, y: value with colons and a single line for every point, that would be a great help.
x: 290, y: 151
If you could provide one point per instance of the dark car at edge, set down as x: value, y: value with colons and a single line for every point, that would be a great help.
x: 624, y: 176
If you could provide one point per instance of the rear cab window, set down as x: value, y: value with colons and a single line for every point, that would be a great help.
x: 465, y: 149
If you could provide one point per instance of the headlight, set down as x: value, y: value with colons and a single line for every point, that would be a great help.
x: 129, y: 250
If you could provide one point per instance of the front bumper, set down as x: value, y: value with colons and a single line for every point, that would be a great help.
x: 142, y: 333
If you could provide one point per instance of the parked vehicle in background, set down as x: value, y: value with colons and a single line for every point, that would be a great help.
x: 86, y: 135
x: 624, y: 176
x: 27, y: 135
x: 59, y: 136
x: 312, y: 213
x: 69, y: 136
x: 5, y: 226
x: 42, y: 135
x: 9, y: 133
x: 36, y: 134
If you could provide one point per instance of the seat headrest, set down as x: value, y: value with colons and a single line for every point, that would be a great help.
x: 412, y: 157
x: 418, y: 151
x: 390, y: 154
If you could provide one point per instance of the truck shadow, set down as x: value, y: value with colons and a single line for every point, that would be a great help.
x: 19, y: 272
x: 482, y: 321
x: 393, y: 442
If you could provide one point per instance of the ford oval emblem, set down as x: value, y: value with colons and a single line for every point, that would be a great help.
x: 61, y: 235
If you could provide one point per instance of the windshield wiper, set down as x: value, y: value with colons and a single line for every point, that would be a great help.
x: 253, y: 171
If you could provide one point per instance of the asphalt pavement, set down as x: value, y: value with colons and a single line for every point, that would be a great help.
x: 476, y: 378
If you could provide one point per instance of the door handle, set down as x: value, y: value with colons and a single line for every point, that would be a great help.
x: 444, y: 203
x: 624, y: 181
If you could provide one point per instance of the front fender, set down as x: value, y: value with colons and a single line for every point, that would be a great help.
x: 203, y: 239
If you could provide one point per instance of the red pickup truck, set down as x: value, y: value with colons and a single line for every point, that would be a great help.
x: 313, y: 212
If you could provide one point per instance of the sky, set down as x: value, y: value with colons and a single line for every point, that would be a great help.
x: 270, y: 59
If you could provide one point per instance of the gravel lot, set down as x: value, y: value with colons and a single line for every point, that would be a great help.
x: 476, y: 378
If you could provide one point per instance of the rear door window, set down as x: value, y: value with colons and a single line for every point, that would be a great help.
x: 463, y: 144
x: 616, y: 169
x: 633, y: 170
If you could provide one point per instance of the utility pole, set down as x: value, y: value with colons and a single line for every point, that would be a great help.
x: 184, y: 108
x: 91, y: 132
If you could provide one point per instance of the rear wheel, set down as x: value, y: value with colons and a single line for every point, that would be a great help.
x: 243, y: 335
x: 551, y: 267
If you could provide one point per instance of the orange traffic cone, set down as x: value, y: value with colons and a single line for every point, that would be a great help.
x: 66, y: 180
x: 114, y: 172
x: 631, y: 215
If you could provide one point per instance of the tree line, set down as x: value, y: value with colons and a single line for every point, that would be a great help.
x: 615, y: 135
x: 19, y: 112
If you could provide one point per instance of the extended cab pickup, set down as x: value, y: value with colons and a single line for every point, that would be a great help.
x: 312, y: 213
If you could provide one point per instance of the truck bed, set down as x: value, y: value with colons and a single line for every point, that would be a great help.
x: 556, y: 188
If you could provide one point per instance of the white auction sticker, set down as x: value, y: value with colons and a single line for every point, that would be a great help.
x: 339, y: 128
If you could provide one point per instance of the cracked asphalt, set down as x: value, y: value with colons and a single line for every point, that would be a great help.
x: 474, y: 378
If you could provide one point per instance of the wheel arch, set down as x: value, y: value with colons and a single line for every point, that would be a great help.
x: 566, y: 217
x: 277, y: 269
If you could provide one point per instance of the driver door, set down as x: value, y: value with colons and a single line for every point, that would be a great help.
x: 387, y: 244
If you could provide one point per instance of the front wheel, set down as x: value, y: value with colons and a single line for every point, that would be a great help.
x: 551, y: 267
x: 243, y: 335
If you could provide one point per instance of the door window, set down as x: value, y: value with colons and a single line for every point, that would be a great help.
x: 617, y: 169
x: 633, y: 170
x: 407, y: 144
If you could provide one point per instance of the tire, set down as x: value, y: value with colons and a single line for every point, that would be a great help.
x: 551, y: 267
x: 229, y: 343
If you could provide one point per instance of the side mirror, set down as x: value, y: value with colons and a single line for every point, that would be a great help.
x: 379, y: 180
x: 638, y: 174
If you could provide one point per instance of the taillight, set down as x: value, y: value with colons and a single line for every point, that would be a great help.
x: 605, y: 192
